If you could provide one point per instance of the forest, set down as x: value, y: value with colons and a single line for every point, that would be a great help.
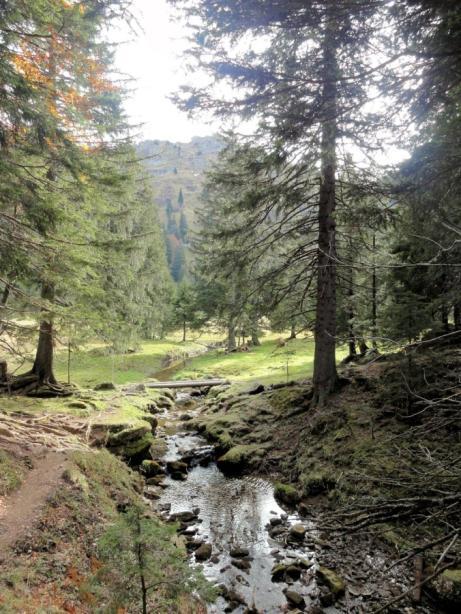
x: 230, y: 368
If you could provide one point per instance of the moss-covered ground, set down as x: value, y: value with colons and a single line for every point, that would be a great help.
x: 57, y: 561
x: 359, y: 449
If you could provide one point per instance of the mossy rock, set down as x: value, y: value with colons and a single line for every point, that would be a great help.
x: 316, y: 483
x: 77, y: 405
x: 238, y: 458
x: 286, y: 493
x: 164, y: 402
x: 131, y: 441
x: 151, y: 468
x: 105, y: 386
x: 332, y: 581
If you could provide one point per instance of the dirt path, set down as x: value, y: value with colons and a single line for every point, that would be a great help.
x: 19, y: 510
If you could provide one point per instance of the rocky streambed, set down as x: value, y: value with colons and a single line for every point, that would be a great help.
x: 262, y: 557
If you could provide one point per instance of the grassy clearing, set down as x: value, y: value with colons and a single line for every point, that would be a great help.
x: 96, y: 364
x: 266, y: 364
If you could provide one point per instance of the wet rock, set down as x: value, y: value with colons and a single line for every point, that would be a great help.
x: 295, y: 599
x: 275, y: 522
x: 286, y: 493
x: 276, y: 531
x: 215, y: 559
x: 332, y: 581
x: 240, y: 457
x: 239, y: 552
x: 293, y: 572
x: 243, y: 564
x: 203, y: 552
x: 176, y: 467
x: 188, y: 531
x: 151, y: 468
x: 150, y: 493
x: 278, y: 572
x: 183, y: 516
x: 105, y: 386
x: 156, y: 481
x: 177, y: 475
x: 315, y: 609
x: 298, y: 532
x: 164, y: 402
x: 185, y: 417
x: 192, y: 544
x: 234, y: 598
x: 164, y: 507
x: 304, y: 563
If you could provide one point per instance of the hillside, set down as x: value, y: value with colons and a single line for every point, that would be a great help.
x: 178, y: 170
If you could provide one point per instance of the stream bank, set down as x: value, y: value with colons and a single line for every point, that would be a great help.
x: 263, y: 555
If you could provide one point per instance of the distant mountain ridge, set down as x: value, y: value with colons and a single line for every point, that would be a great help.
x: 178, y: 171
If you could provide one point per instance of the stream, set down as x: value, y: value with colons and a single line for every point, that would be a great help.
x: 234, y: 515
x: 264, y: 559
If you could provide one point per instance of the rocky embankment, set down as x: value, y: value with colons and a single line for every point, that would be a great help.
x: 344, y: 457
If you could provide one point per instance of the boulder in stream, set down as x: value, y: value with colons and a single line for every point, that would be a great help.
x: 151, y: 468
x: 295, y: 599
x: 332, y: 581
x: 203, y: 552
x: 239, y: 552
x: 298, y: 532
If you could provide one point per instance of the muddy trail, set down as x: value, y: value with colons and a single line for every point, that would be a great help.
x: 263, y: 558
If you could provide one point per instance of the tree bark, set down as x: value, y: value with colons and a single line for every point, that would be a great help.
x: 325, y: 375
x: 184, y: 331
x: 457, y: 315
x: 292, y: 331
x: 374, y: 308
x: 231, y: 342
x: 43, y: 364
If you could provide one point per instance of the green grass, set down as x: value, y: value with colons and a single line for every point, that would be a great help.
x: 266, y: 364
x: 96, y: 365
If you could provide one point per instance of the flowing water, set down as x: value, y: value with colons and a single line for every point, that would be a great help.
x: 235, y: 512
x: 238, y: 512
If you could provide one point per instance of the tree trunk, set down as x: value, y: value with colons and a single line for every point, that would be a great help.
x: 363, y: 347
x: 231, y: 343
x: 444, y: 318
x: 374, y: 309
x: 457, y: 315
x: 292, y: 331
x: 350, y: 309
x: 184, y: 331
x: 43, y: 364
x: 325, y: 376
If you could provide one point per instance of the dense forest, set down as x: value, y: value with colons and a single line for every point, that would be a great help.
x: 241, y: 351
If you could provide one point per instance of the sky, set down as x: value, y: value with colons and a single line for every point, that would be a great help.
x: 152, y: 57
